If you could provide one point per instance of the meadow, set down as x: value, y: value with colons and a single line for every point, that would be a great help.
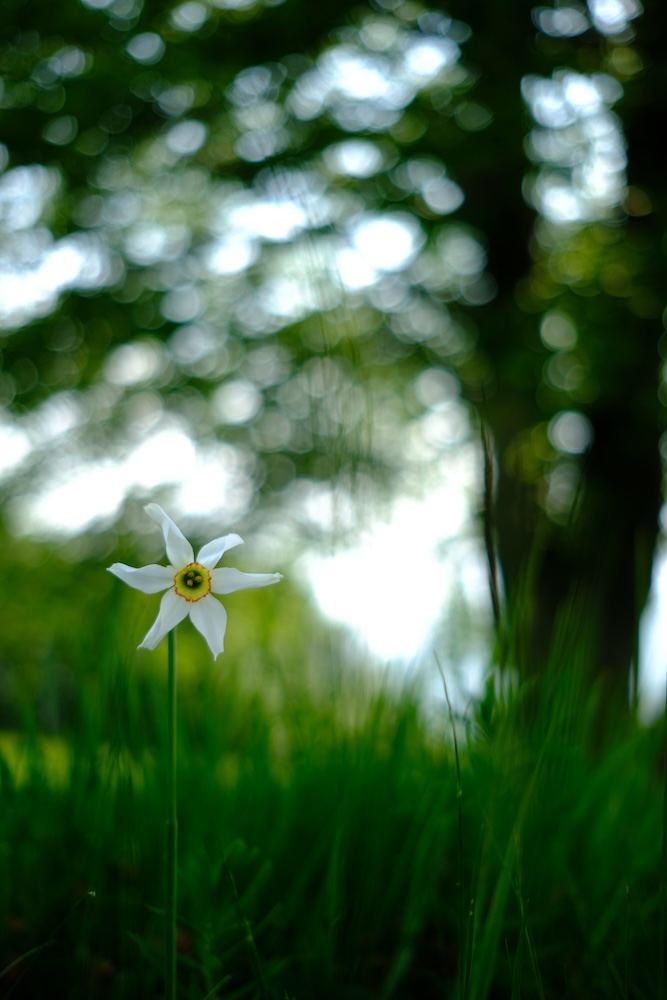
x: 334, y: 840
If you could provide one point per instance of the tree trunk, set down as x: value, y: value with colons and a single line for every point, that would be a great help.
x: 600, y: 560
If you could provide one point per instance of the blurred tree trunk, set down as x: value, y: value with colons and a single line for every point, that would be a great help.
x: 602, y: 556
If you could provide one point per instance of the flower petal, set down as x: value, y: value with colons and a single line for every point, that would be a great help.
x: 226, y: 580
x: 149, y: 579
x: 210, y: 618
x: 173, y: 609
x: 179, y: 550
x: 211, y: 553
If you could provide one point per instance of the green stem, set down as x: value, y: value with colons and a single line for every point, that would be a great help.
x: 172, y: 820
x: 463, y: 973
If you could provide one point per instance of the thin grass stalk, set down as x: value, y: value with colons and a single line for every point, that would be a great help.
x: 627, y: 942
x: 517, y: 965
x: 463, y: 978
x: 490, y: 528
x: 535, y: 967
x: 470, y: 915
x: 26, y: 957
x: 248, y: 937
x: 172, y: 822
x: 663, y: 867
x: 216, y: 989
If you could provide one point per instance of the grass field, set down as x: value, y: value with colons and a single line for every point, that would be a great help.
x: 328, y: 848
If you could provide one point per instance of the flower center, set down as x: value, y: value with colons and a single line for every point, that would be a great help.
x: 193, y: 582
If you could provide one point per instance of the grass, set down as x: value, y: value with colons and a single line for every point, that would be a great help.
x: 332, y: 844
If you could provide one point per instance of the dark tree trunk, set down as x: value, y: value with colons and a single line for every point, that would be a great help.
x: 601, y: 558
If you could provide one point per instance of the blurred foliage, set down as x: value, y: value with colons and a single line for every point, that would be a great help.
x: 302, y: 234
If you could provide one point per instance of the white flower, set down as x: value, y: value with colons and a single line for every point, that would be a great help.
x: 191, y: 583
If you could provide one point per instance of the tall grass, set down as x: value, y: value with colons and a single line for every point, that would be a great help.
x: 332, y: 844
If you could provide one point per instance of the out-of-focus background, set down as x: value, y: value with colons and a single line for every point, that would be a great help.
x: 379, y: 285
x: 283, y: 266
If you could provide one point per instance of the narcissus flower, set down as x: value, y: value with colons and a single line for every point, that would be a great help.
x: 191, y: 582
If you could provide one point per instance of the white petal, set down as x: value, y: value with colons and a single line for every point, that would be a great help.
x: 226, y: 580
x: 149, y: 579
x: 173, y: 609
x: 211, y: 553
x: 179, y: 550
x: 210, y: 618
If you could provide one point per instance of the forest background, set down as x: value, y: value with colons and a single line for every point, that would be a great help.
x: 273, y: 264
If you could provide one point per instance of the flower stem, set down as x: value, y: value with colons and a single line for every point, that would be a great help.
x: 172, y: 821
